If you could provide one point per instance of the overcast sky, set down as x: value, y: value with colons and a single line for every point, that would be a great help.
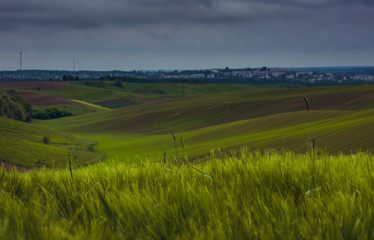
x: 185, y: 34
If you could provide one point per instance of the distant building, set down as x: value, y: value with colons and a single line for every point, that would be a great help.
x: 360, y: 77
x: 210, y: 76
x: 290, y: 76
x: 241, y: 74
x: 276, y: 73
x: 303, y: 74
x: 197, y: 75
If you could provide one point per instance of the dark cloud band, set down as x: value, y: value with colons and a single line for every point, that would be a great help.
x: 188, y: 27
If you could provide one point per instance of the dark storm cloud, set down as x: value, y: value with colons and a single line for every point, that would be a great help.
x: 94, y: 14
x: 166, y: 3
x: 186, y: 28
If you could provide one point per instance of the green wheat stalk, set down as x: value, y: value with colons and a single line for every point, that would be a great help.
x: 69, y: 164
x: 206, y: 175
x: 311, y: 138
x: 175, y: 142
x: 108, y: 212
x: 184, y: 154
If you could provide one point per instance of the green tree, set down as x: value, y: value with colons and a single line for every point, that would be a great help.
x: 15, y: 107
x: 46, y: 140
x: 118, y: 83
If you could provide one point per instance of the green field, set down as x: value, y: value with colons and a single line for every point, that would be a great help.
x: 22, y: 145
x: 214, y: 161
x: 260, y: 119
x: 94, y: 92
x: 214, y: 119
x: 249, y: 196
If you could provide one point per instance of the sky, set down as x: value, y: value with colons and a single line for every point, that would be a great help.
x: 185, y: 34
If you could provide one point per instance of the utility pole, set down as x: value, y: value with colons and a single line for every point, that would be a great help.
x: 20, y: 65
x: 73, y: 64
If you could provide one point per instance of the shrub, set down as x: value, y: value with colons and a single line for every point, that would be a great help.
x: 11, y: 91
x: 50, y: 113
x: 46, y: 140
x: 117, y: 83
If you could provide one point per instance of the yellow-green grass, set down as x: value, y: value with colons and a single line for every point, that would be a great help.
x: 235, y: 193
x: 22, y: 144
x: 259, y: 119
x: 246, y: 195
x: 212, y: 109
x: 335, y: 131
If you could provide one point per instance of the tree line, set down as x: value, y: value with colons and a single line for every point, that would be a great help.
x: 18, y: 108
x: 15, y: 107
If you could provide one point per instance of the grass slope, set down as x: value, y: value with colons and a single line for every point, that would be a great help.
x: 248, y: 195
x: 240, y: 193
x: 93, y: 94
x: 135, y: 93
x: 213, y: 109
x: 259, y: 119
x: 22, y: 144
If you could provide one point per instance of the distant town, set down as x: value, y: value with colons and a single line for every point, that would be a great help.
x: 263, y: 75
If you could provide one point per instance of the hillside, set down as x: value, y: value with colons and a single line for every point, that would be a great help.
x: 94, y: 100
x: 21, y: 144
x: 212, y: 109
x: 106, y: 94
x: 234, y: 166
x: 276, y: 118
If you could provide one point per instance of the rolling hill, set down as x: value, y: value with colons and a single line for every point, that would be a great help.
x: 271, y: 118
x: 21, y: 144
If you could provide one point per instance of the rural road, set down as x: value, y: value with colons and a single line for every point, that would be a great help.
x: 89, y: 104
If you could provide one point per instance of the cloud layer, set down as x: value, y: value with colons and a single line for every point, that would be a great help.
x: 148, y: 34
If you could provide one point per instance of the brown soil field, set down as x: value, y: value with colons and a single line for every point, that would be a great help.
x: 151, y: 92
x: 33, y: 85
x: 146, y: 100
x: 10, y: 166
x: 44, y: 99
x: 116, y: 103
